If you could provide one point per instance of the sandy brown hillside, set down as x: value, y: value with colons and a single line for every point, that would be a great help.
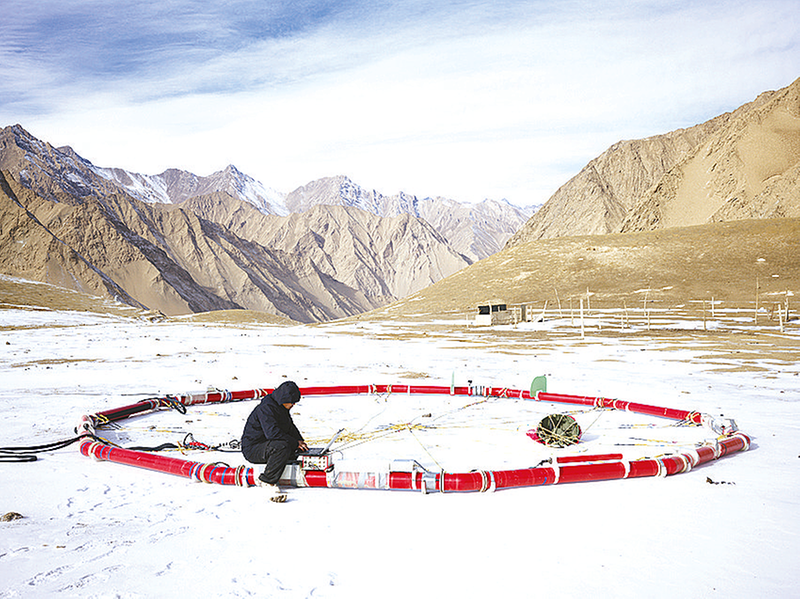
x: 384, y: 257
x: 722, y: 261
x: 169, y: 258
x: 24, y: 294
x: 742, y: 164
x: 149, y: 256
x: 29, y: 248
x: 749, y: 169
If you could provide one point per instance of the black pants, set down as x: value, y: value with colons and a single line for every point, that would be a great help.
x: 275, y: 454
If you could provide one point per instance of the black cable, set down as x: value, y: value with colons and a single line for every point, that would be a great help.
x: 161, y: 447
x: 28, y: 453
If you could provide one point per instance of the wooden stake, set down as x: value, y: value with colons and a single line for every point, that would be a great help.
x: 558, y: 299
x: 787, y: 305
x: 755, y: 317
x: 625, y: 306
x: 704, y: 315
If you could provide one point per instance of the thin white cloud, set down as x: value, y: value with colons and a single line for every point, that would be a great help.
x: 466, y: 99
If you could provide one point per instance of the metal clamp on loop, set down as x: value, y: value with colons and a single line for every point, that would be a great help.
x: 427, y: 482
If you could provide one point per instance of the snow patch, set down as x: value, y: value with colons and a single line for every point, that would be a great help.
x: 89, y: 525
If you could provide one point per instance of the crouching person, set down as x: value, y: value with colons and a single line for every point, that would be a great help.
x: 270, y: 437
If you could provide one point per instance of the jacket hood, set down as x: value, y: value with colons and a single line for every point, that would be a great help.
x: 287, y: 392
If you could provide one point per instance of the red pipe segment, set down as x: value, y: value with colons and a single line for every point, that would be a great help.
x: 225, y: 396
x: 189, y: 399
x: 427, y: 481
x: 579, y: 468
x: 209, y: 473
x: 125, y: 411
x: 491, y: 480
x: 618, y: 404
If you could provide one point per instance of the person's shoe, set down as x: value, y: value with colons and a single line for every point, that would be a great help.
x: 276, y: 494
x: 273, y: 492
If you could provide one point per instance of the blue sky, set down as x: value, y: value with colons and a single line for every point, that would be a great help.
x: 464, y: 99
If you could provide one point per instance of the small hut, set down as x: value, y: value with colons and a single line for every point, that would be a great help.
x: 493, y: 312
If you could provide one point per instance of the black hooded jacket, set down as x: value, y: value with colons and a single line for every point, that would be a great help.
x: 270, y: 421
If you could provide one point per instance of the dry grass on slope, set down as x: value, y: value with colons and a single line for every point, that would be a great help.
x: 20, y: 293
x: 722, y: 261
x: 237, y: 317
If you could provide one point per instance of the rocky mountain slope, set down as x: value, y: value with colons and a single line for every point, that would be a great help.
x: 749, y: 169
x: 742, y: 164
x: 52, y: 172
x: 174, y: 186
x: 474, y: 230
x: 384, y: 257
x: 61, y: 222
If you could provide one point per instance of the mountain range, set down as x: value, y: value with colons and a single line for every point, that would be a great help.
x: 474, y: 230
x: 179, y: 243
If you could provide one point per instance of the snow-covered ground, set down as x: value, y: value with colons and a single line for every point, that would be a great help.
x: 97, y: 529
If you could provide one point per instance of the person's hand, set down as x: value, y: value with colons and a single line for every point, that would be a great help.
x: 302, y: 446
